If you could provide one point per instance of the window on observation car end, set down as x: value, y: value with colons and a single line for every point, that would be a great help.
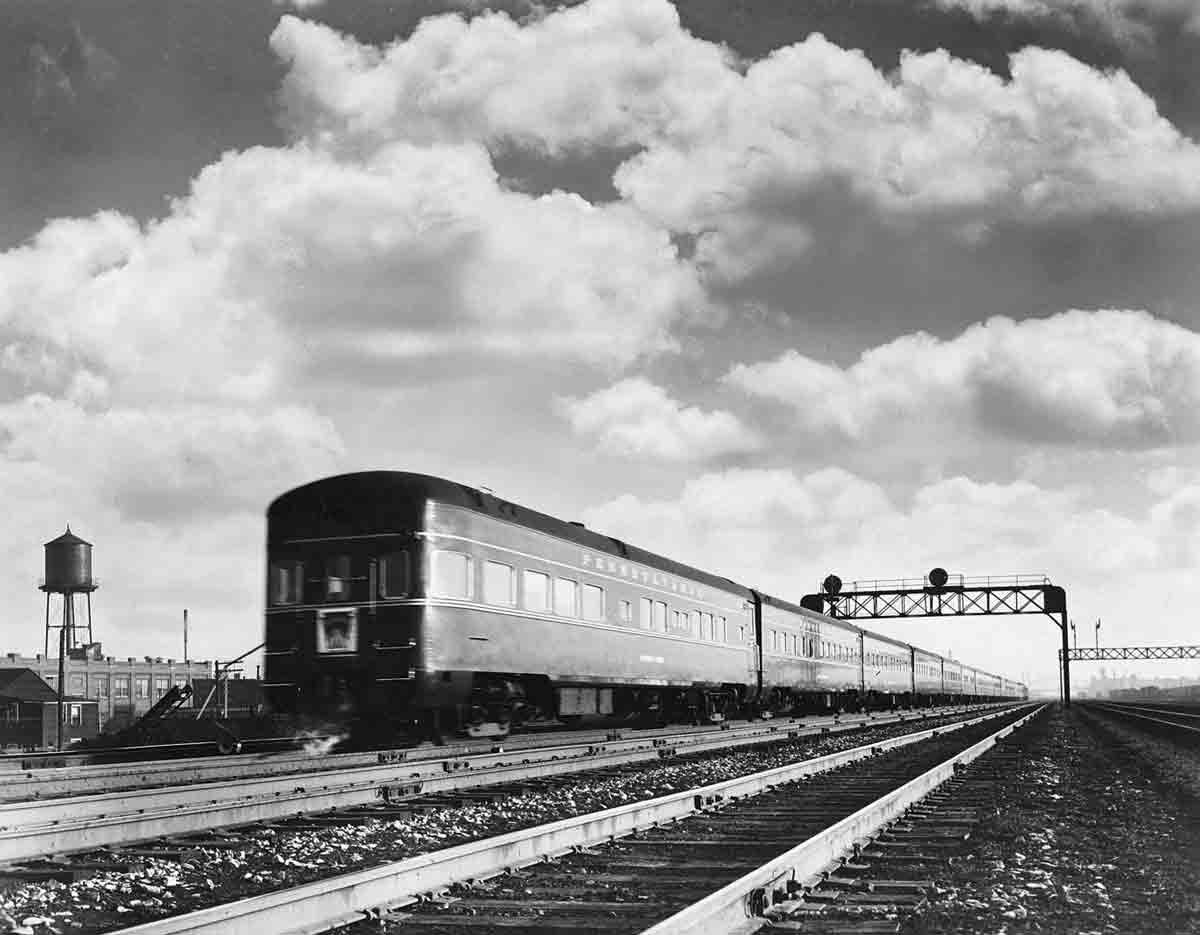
x: 593, y: 602
x: 287, y: 582
x: 660, y: 616
x: 626, y: 611
x: 337, y: 577
x: 393, y: 574
x: 645, y: 613
x: 536, y: 589
x: 566, y: 597
x: 499, y: 584
x: 450, y: 574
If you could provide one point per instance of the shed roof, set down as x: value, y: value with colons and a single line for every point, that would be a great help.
x: 25, y: 685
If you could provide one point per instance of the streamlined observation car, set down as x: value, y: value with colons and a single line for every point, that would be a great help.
x: 409, y: 599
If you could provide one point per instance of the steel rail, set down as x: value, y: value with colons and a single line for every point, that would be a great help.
x: 1154, y: 709
x: 737, y: 908
x: 319, y: 906
x: 40, y: 813
x: 1145, y: 717
x: 45, y: 783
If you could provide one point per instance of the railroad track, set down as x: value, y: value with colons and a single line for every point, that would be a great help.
x: 638, y: 866
x: 1181, y: 725
x: 39, y: 781
x: 38, y: 827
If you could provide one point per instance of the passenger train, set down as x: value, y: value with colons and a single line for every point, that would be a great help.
x: 408, y: 604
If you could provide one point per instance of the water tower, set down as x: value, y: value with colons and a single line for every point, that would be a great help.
x: 69, y: 572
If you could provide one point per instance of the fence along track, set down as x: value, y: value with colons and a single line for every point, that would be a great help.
x: 352, y: 897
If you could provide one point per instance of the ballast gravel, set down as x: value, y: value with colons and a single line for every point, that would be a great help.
x: 1096, y: 831
x: 270, y: 859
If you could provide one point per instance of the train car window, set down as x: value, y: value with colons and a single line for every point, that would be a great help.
x: 660, y: 616
x: 593, y: 602
x: 695, y: 621
x: 566, y: 597
x: 451, y: 574
x: 287, y: 582
x: 741, y: 632
x: 537, y: 591
x: 337, y: 577
x: 706, y: 626
x: 645, y: 612
x: 626, y: 612
x: 722, y: 629
x: 499, y: 583
x: 393, y: 574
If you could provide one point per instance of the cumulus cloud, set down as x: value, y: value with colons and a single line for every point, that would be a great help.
x: 1107, y: 378
x: 731, y: 152
x: 1124, y: 19
x: 637, y: 418
x: 172, y: 462
x: 784, y: 531
x: 610, y: 74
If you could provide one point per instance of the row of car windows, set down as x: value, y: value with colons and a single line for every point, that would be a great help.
x: 809, y: 646
x: 452, y: 576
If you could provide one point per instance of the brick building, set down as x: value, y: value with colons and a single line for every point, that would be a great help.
x: 122, y: 689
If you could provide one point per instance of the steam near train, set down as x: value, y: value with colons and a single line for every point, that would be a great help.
x: 412, y: 605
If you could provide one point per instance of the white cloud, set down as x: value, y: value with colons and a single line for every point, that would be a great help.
x: 1125, y: 19
x: 1108, y: 378
x: 637, y: 418
x: 783, y: 532
x: 611, y: 73
x: 730, y: 153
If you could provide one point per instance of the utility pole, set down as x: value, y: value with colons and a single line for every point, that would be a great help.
x: 1075, y: 634
x: 1097, y: 634
x: 186, y: 665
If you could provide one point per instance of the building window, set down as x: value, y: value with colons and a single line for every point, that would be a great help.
x: 566, y: 597
x: 393, y: 574
x: 287, y: 582
x: 142, y: 686
x: 161, y: 684
x: 626, y: 612
x: 499, y: 584
x: 100, y: 686
x: 593, y: 602
x: 121, y: 686
x: 660, y: 616
x: 537, y: 591
x: 78, y: 686
x: 451, y: 574
x: 337, y: 577
x: 645, y: 612
x: 75, y: 715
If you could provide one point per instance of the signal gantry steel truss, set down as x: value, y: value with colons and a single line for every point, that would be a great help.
x: 1107, y: 653
x: 943, y: 595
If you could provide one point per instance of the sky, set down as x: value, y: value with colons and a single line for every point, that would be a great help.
x: 774, y: 289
